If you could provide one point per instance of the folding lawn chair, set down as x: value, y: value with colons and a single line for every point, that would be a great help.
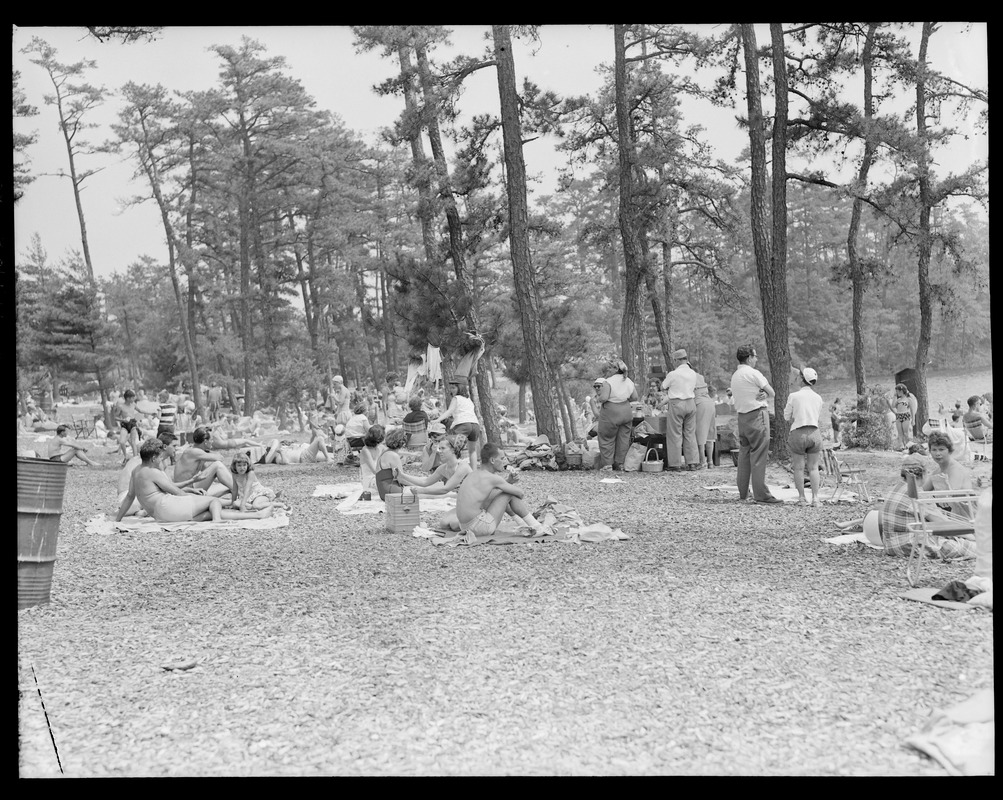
x: 417, y: 434
x: 844, y: 476
x: 933, y: 520
x: 980, y: 438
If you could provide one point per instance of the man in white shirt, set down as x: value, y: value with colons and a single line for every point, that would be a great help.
x: 681, y: 417
x: 802, y: 411
x: 752, y: 392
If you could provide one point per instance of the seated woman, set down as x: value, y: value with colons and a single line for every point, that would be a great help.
x: 416, y: 418
x: 430, y: 453
x: 388, y: 463
x: 949, y: 475
x: 372, y: 449
x: 446, y: 478
x: 889, y: 526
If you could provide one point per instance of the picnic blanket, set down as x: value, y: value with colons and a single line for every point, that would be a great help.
x: 561, y: 523
x: 789, y: 494
x: 351, y: 502
x: 924, y: 594
x: 104, y: 525
x: 962, y: 738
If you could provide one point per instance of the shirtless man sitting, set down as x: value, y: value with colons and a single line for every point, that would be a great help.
x: 125, y: 475
x: 63, y: 448
x: 200, y: 467
x: 486, y: 495
x: 165, y: 501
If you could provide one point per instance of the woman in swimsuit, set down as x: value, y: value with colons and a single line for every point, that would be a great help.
x: 446, y: 478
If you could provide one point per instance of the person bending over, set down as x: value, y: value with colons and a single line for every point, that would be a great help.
x: 486, y: 495
x: 165, y: 501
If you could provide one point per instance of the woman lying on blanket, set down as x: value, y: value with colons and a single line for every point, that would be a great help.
x: 446, y: 478
x: 165, y: 501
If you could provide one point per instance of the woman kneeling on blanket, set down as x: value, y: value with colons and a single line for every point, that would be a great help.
x: 446, y: 478
x: 165, y: 501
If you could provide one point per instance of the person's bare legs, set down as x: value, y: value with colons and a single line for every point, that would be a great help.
x: 314, y: 451
x: 85, y: 458
x: 814, y: 477
x: 472, y: 453
x: 211, y: 508
x: 797, y: 467
x: 214, y: 471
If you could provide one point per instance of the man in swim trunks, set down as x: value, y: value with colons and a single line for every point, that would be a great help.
x: 199, y: 463
x: 486, y: 495
x: 127, y: 416
x: 165, y: 501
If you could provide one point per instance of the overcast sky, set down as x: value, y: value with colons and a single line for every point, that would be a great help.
x: 324, y: 60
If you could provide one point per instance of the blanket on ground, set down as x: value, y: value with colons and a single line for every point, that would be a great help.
x: 962, y: 738
x: 353, y: 505
x: 104, y: 525
x: 924, y: 594
x: 789, y: 494
x: 561, y: 523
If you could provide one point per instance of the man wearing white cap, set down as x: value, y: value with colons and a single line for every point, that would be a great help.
x: 681, y: 418
x: 339, y: 399
x: 802, y: 411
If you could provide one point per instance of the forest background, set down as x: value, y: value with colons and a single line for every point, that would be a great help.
x: 294, y: 250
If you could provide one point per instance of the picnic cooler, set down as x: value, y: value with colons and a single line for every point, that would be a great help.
x: 403, y: 512
x: 40, y: 487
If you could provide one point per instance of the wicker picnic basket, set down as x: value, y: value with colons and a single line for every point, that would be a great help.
x: 649, y: 465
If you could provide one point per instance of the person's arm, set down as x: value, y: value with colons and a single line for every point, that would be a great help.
x: 502, y: 482
x: 449, y: 411
x: 766, y: 391
x: 413, y: 480
x: 604, y: 392
x: 127, y: 501
x: 789, y: 408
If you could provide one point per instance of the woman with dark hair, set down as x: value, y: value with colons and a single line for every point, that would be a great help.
x: 615, y: 416
x: 461, y: 411
x: 950, y: 474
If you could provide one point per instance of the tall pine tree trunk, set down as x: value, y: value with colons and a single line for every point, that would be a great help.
x: 526, y: 290
x: 631, y: 328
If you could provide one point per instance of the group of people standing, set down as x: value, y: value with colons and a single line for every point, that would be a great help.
x: 688, y: 402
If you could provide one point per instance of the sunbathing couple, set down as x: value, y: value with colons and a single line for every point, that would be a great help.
x: 187, y: 499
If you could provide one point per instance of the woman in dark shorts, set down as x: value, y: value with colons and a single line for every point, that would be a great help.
x: 464, y: 417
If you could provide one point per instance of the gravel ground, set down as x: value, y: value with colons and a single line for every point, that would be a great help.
x: 721, y: 639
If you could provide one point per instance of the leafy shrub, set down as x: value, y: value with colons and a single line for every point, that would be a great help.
x: 865, y: 425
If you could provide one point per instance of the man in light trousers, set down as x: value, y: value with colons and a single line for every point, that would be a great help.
x: 752, y: 391
x: 681, y: 418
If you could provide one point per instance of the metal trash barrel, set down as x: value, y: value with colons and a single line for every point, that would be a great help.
x: 40, y: 487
